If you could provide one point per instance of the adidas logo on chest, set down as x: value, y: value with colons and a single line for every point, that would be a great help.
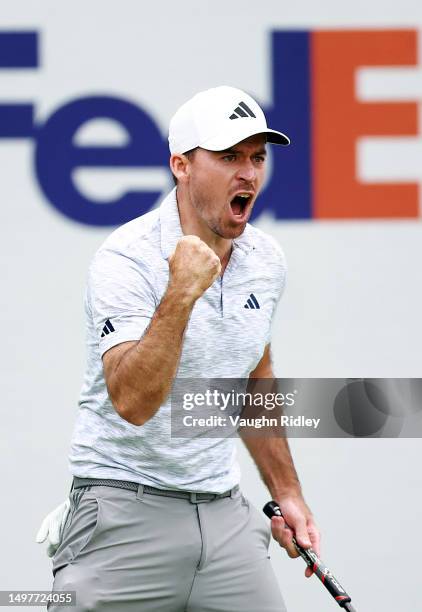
x: 252, y: 303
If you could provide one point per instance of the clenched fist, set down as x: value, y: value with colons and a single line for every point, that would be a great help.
x: 193, y: 267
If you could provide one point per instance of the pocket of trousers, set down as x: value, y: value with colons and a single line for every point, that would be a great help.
x: 79, y: 531
x: 259, y: 523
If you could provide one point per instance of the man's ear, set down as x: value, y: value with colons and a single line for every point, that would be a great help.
x: 179, y: 165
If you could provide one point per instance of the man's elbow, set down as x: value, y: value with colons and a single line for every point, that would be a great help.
x: 131, y: 412
x: 131, y: 417
x: 127, y: 412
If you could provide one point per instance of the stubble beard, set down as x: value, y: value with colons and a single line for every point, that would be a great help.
x: 202, y: 204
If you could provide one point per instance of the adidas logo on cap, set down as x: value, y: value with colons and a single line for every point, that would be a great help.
x: 242, y: 110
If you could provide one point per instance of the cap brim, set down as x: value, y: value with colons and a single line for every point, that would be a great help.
x: 227, y: 140
x: 277, y: 138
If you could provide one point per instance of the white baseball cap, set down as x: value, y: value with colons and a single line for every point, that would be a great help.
x: 218, y: 118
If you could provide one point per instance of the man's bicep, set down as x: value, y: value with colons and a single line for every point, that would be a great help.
x: 113, y: 356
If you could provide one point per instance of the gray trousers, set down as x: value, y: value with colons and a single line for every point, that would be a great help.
x: 126, y: 551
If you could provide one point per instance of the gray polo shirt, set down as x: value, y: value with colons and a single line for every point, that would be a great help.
x: 226, y: 335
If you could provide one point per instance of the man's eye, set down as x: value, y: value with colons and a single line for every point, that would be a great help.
x: 230, y: 157
x: 260, y: 158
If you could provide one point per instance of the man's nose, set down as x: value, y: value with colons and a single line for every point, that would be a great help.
x: 247, y: 171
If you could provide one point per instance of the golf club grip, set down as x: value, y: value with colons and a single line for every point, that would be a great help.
x: 313, y: 561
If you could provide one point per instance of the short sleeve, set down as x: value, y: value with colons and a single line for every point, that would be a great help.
x: 120, y: 297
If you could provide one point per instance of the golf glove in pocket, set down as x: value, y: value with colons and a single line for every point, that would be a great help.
x: 52, y: 527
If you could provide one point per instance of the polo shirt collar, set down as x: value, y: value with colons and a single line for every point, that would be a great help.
x: 245, y: 240
x: 171, y: 229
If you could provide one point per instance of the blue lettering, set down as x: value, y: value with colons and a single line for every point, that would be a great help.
x: 289, y: 191
x: 17, y: 50
x: 57, y: 157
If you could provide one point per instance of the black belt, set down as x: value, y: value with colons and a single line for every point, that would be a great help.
x: 78, y: 483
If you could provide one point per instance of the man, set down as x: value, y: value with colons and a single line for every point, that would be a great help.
x: 188, y: 290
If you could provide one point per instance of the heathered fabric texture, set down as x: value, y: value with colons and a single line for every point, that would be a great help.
x: 127, y: 279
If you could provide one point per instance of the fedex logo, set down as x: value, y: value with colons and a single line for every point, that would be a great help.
x: 313, y: 100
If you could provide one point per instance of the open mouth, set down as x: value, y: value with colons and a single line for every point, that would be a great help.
x: 240, y: 203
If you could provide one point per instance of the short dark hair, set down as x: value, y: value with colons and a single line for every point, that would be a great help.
x: 189, y: 154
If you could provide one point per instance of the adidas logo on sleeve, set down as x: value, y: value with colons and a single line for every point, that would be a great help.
x: 107, y: 329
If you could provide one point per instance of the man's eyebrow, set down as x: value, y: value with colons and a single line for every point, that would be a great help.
x: 234, y: 151
x: 230, y: 150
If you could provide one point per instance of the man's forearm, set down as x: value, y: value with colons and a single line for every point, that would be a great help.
x: 142, y: 379
x: 272, y: 456
x: 139, y: 377
x: 271, y: 453
x: 274, y: 461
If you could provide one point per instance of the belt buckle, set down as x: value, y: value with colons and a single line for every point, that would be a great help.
x: 195, y: 498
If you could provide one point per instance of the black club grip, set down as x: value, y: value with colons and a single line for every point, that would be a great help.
x: 311, y: 558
